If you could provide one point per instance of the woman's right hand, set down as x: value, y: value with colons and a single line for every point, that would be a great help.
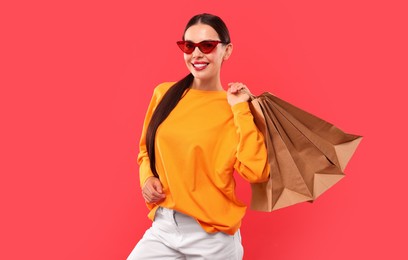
x: 153, y: 190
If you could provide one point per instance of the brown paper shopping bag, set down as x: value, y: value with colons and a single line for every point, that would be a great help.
x: 307, y: 155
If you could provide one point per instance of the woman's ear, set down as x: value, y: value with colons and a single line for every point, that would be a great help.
x: 228, y: 51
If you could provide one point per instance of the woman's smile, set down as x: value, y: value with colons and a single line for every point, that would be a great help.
x: 200, y: 65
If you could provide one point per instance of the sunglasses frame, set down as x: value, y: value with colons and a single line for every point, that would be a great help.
x: 181, y: 45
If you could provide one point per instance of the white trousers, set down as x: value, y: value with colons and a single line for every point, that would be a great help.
x: 174, y: 235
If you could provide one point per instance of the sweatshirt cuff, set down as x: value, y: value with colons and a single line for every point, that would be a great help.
x: 241, y: 107
x: 145, y: 173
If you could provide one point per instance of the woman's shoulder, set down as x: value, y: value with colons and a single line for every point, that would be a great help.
x: 162, y: 88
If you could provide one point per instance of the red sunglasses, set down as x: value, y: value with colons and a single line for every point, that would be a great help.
x: 204, y: 46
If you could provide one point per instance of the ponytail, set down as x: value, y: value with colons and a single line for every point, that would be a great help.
x: 163, y: 109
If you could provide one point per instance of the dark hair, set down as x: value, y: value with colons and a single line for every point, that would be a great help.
x: 175, y: 93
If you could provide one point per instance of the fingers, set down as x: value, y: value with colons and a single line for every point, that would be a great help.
x: 236, y: 87
x: 152, y: 191
x: 237, y: 93
x: 152, y: 196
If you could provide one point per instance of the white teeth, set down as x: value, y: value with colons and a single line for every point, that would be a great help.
x: 201, y: 65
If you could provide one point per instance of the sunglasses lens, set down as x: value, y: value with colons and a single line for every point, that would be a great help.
x: 186, y: 47
x: 207, y: 46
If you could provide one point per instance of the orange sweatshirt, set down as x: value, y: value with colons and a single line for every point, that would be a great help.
x: 197, y: 148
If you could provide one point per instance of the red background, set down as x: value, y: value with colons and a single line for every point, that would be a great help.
x: 77, y: 76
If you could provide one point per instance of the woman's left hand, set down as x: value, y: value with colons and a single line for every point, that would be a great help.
x: 235, y: 94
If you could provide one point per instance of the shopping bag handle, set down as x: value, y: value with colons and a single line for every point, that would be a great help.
x: 251, y: 96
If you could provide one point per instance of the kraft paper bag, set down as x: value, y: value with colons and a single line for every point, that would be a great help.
x: 307, y: 155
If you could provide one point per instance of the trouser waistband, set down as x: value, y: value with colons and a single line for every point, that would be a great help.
x: 175, y: 219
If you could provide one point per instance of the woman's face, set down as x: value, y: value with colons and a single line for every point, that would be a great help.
x: 205, y: 67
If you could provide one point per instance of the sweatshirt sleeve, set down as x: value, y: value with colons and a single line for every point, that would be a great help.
x: 252, y: 157
x: 143, y: 158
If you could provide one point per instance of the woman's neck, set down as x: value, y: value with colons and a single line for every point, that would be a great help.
x: 210, y: 85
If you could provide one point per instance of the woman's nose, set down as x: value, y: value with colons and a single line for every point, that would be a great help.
x: 197, y: 52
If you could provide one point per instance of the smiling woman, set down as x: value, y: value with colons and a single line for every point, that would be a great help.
x: 194, y: 137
